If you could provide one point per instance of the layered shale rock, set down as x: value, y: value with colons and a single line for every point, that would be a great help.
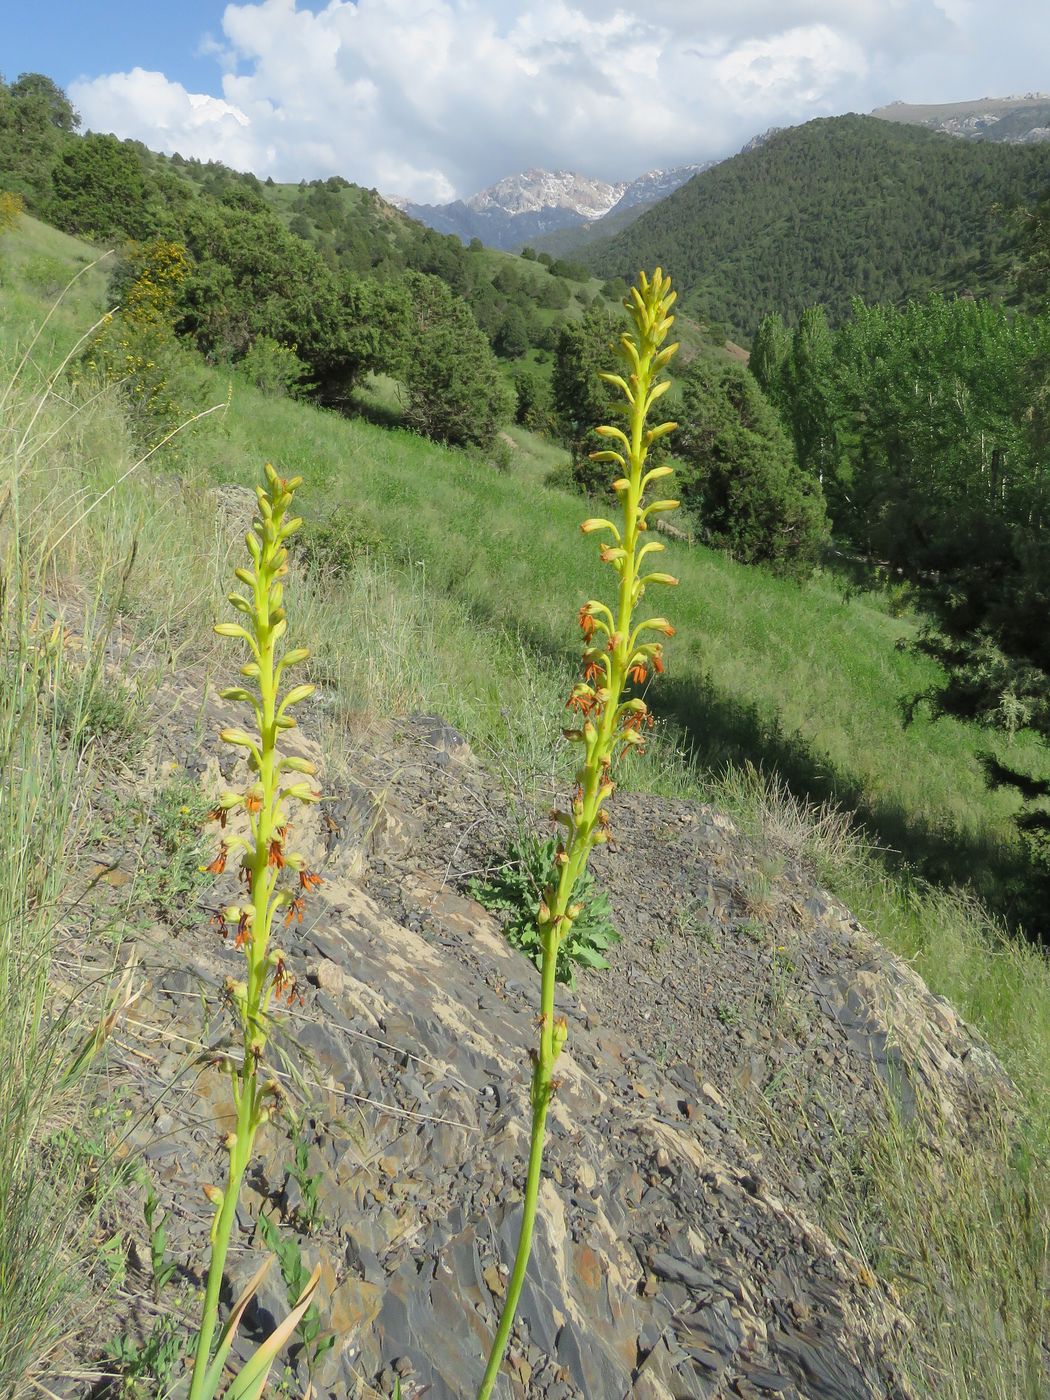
x: 748, y: 1025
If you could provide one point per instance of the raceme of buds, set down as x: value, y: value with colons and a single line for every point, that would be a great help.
x: 275, y: 877
x: 619, y: 653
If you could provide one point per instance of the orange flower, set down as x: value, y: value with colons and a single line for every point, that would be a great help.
x: 637, y: 674
x: 284, y: 984
x: 309, y: 880
x: 295, y: 911
x: 275, y: 855
x: 586, y: 704
x: 218, y: 923
x: 586, y: 621
x: 244, y: 930
x: 658, y: 663
x: 593, y: 673
x: 218, y: 865
x: 253, y: 803
x: 634, y: 719
x: 219, y: 814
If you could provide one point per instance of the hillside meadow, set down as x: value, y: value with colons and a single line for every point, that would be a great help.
x: 456, y: 593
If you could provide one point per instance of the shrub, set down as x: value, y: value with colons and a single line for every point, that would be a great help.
x: 45, y: 275
x: 11, y: 208
x: 335, y: 545
x: 274, y: 368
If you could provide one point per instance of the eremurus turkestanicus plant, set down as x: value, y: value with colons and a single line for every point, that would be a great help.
x: 276, y: 881
x: 619, y: 654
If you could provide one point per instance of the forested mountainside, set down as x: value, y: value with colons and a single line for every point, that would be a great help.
x: 840, y: 207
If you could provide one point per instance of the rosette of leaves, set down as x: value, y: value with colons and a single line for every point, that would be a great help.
x: 515, y: 890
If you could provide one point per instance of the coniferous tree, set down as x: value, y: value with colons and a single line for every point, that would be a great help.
x: 741, y: 480
x: 455, y: 391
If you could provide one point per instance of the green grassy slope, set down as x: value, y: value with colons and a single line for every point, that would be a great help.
x: 471, y: 615
x: 803, y: 679
x: 839, y: 207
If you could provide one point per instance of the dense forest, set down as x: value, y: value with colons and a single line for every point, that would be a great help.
x: 839, y: 208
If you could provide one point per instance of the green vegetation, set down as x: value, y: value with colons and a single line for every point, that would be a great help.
x: 515, y: 889
x: 838, y: 208
x: 465, y: 601
x: 926, y: 426
x: 740, y: 480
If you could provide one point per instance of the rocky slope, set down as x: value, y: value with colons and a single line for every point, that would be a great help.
x: 521, y: 208
x: 748, y: 1027
x: 1013, y: 120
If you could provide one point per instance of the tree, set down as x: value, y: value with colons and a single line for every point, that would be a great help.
x: 34, y: 90
x: 99, y: 189
x: 808, y: 393
x: 770, y: 352
x: 740, y: 476
x: 532, y: 409
x: 31, y: 136
x: 252, y: 277
x: 1033, y: 282
x: 455, y: 391
x: 512, y: 338
x: 581, y: 400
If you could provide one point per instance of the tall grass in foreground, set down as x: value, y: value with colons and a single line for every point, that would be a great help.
x: 53, y: 1017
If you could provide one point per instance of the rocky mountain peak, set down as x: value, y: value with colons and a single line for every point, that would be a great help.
x: 534, y: 189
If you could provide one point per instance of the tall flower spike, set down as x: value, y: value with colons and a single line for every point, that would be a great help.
x: 264, y: 865
x: 612, y: 727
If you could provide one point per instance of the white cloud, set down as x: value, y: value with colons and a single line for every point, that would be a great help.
x: 434, y: 97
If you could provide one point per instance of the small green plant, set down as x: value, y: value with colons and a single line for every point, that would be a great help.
x: 296, y: 1276
x: 308, y: 1215
x: 147, y: 1369
x: 266, y: 862
x: 113, y: 1257
x: 178, y: 882
x: 163, y: 1268
x: 516, y: 889
x: 728, y: 1013
x: 90, y: 712
x: 618, y: 655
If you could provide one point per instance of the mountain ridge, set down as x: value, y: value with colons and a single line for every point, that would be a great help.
x: 535, y: 202
x: 1019, y: 120
x: 836, y: 207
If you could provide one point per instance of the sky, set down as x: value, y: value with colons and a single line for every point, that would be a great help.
x: 436, y: 99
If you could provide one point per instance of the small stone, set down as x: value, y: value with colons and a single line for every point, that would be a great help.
x: 712, y: 1095
x: 327, y: 976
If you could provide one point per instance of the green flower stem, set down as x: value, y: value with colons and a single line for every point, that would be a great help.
x: 617, y: 722
x: 239, y: 1159
x: 264, y: 856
